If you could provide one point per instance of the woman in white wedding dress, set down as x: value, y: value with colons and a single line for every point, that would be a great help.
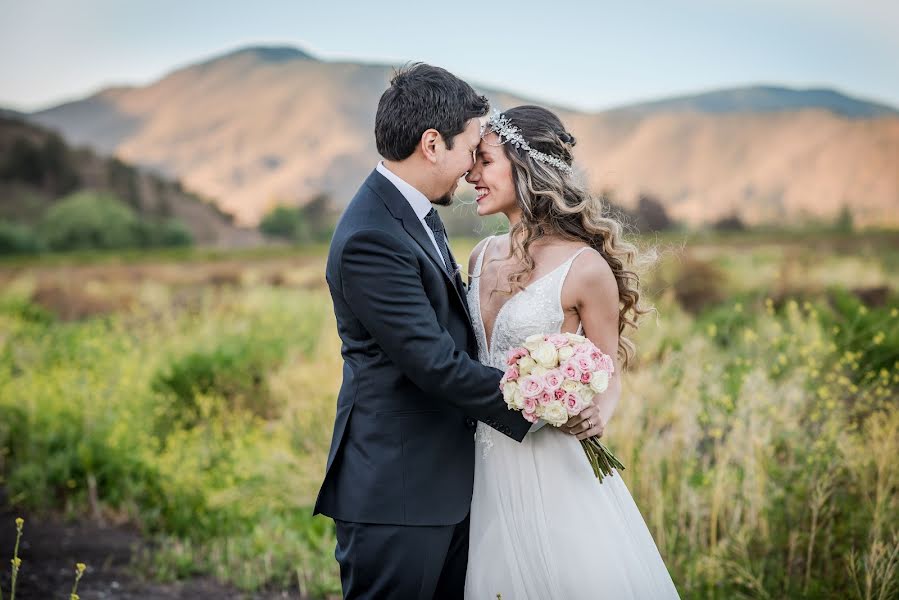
x: 542, y: 526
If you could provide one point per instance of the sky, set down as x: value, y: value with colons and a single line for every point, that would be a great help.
x: 583, y: 54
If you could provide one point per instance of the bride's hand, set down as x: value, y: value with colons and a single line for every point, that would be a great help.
x: 585, y: 424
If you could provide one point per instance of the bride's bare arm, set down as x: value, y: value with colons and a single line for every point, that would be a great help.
x: 594, y: 291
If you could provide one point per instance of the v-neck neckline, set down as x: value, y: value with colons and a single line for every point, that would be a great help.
x: 488, y: 340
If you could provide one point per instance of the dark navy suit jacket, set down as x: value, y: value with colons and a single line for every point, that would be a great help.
x: 402, y: 452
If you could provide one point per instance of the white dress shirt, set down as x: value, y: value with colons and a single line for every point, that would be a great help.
x: 419, y: 202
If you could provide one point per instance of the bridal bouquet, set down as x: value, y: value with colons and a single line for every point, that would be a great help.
x: 554, y: 377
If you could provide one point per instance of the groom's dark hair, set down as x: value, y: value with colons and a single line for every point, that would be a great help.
x: 422, y: 97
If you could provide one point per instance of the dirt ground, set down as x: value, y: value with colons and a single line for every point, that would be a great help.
x: 50, y: 548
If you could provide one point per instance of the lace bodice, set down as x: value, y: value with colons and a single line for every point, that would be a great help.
x: 535, y: 309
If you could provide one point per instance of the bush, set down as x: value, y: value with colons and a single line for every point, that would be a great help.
x: 98, y: 220
x: 17, y: 239
x: 286, y: 222
x: 173, y: 232
x: 233, y: 371
x: 88, y: 220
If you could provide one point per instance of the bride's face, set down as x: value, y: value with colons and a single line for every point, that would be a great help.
x: 492, y: 178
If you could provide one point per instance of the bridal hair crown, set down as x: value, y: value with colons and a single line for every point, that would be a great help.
x: 502, y: 126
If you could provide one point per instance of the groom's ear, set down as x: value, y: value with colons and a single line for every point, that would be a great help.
x: 430, y: 144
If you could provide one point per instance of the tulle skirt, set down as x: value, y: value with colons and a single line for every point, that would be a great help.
x: 543, y: 527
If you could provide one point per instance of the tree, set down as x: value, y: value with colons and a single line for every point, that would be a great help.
x: 89, y: 219
x: 844, y: 222
x: 729, y: 223
x: 650, y: 215
x: 286, y: 222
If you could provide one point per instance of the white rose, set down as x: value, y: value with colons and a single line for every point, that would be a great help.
x: 539, y: 371
x: 555, y: 413
x: 600, y: 381
x: 575, y: 338
x: 532, y: 341
x: 565, y: 352
x: 508, y: 391
x: 570, y: 385
x: 525, y: 365
x: 545, y: 354
x: 513, y: 396
x: 586, y: 394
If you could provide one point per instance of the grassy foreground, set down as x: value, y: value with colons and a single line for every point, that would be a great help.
x: 194, y: 395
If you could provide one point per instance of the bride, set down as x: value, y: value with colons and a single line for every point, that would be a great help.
x: 542, y: 526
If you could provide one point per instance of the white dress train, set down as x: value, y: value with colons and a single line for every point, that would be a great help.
x: 542, y: 526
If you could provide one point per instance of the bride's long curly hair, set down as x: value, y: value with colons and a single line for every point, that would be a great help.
x: 554, y: 204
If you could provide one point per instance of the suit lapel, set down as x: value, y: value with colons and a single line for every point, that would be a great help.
x: 402, y: 210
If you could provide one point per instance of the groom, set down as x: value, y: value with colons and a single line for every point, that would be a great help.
x: 398, y: 481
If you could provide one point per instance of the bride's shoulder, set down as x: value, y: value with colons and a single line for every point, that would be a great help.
x: 591, y: 274
x: 476, y: 252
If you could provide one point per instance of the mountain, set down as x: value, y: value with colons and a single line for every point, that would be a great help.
x: 37, y: 168
x: 761, y: 99
x: 262, y: 126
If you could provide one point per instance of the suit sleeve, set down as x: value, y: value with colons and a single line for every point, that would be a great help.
x: 381, y: 283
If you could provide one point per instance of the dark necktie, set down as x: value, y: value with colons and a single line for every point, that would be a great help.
x: 436, y: 225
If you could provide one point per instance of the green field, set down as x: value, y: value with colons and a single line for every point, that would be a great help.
x: 192, y: 392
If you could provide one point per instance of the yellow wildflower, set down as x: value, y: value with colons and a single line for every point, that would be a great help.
x: 19, y: 522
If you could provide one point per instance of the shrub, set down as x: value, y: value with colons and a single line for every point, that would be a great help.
x: 88, y: 220
x: 286, y: 222
x: 17, y: 239
x: 230, y: 375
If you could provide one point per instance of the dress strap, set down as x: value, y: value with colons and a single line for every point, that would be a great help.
x: 479, y: 264
x: 567, y: 268
x: 568, y: 263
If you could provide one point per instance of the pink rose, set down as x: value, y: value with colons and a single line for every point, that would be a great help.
x: 571, y: 370
x: 584, y: 362
x: 515, y: 354
x: 558, y: 340
x: 531, y: 386
x: 512, y: 373
x: 546, y: 397
x: 530, y: 405
x: 559, y: 394
x: 586, y: 377
x: 584, y: 348
x: 532, y: 417
x: 572, y: 404
x: 552, y: 380
x: 607, y: 364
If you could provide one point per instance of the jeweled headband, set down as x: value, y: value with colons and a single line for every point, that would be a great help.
x: 499, y: 124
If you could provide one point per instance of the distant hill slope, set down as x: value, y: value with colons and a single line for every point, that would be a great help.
x: 37, y: 168
x: 261, y: 126
x: 763, y: 99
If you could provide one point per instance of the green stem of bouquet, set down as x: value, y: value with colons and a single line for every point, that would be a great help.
x: 602, y: 460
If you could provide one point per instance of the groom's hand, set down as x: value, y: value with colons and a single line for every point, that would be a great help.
x: 585, y: 424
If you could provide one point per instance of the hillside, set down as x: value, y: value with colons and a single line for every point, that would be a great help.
x: 37, y: 167
x: 262, y: 126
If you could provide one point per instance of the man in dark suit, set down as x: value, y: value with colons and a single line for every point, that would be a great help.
x: 398, y: 481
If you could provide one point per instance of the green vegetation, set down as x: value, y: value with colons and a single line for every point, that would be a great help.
x: 89, y: 220
x: 312, y: 222
x: 194, y: 394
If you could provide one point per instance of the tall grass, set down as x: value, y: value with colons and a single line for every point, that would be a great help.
x: 760, y: 429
